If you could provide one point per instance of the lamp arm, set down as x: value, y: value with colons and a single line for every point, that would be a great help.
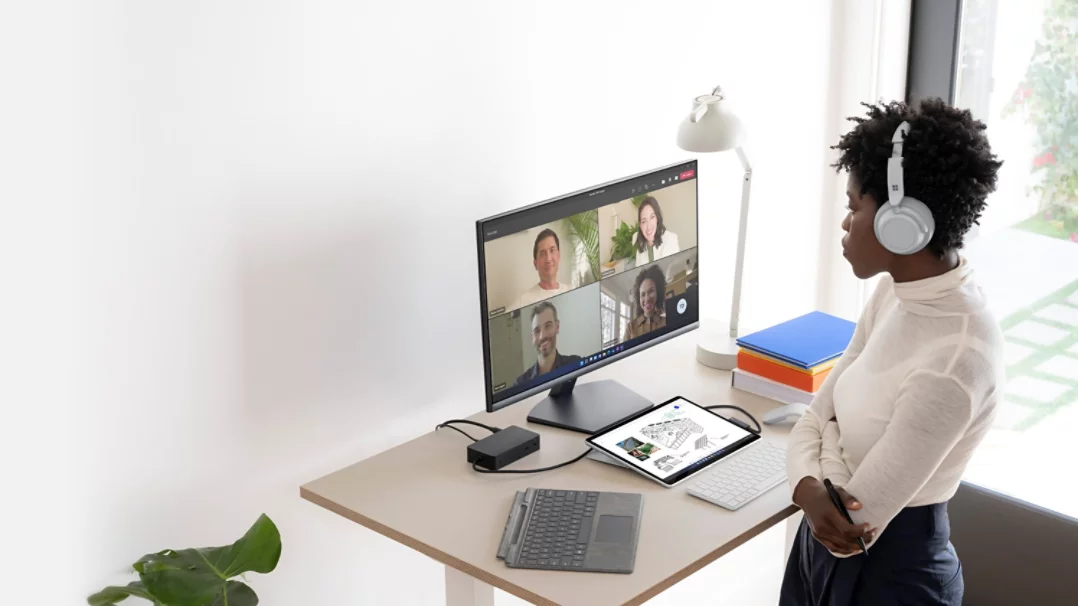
x: 746, y: 183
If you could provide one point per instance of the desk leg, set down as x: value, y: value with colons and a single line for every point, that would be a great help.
x: 465, y: 590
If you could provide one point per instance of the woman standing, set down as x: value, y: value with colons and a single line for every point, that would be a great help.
x: 900, y: 415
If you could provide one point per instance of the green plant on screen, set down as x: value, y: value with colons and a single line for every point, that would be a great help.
x: 623, y: 242
x: 585, y: 228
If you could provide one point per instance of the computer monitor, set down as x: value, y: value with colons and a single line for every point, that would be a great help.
x: 572, y: 284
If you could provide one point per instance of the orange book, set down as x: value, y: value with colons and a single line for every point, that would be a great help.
x: 821, y: 367
x: 781, y: 373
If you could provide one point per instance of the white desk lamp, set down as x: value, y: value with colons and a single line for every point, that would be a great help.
x: 711, y: 127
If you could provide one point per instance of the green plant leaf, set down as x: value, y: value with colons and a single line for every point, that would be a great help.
x: 585, y: 227
x: 622, y: 239
x: 238, y: 595
x: 193, y: 577
x: 112, y: 594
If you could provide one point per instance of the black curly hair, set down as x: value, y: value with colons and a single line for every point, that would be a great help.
x: 654, y: 274
x: 947, y: 162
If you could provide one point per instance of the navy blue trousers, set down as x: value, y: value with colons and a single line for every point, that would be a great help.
x: 912, y: 562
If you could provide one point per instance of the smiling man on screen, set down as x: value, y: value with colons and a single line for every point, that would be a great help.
x: 546, y: 257
x: 545, y: 328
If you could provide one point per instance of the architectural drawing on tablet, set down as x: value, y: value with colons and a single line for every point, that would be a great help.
x: 666, y: 463
x: 673, y: 433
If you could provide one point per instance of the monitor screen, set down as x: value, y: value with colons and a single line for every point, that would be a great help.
x: 573, y: 283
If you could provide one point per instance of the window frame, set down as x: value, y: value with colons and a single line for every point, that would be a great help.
x: 934, y: 45
x: 934, y: 70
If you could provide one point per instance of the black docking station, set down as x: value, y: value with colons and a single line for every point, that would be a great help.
x: 503, y: 448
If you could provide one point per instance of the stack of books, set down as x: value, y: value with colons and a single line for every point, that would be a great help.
x: 789, y: 362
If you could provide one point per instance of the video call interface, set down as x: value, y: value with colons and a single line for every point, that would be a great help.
x: 574, y: 281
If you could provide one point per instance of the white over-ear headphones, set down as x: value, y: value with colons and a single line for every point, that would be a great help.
x: 904, y: 225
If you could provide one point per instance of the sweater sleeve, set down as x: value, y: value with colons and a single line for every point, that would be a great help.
x: 932, y: 412
x: 832, y: 465
x: 805, y: 447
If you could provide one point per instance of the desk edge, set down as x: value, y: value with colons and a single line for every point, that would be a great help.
x: 522, y: 593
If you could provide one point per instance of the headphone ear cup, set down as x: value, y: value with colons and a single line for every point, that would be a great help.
x: 906, y: 228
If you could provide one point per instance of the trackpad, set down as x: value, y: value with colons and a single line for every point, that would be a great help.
x: 615, y: 529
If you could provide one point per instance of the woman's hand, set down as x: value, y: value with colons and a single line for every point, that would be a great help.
x: 827, y: 523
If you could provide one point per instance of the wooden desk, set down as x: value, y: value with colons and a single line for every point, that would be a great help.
x: 423, y: 494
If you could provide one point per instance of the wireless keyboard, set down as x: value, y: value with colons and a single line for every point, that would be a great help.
x: 575, y: 530
x: 743, y: 476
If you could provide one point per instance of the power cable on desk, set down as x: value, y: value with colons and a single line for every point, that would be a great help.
x: 758, y: 429
x: 466, y: 422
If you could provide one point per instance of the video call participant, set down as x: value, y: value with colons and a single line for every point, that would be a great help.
x: 545, y: 328
x: 653, y: 241
x: 649, y: 312
x: 546, y: 257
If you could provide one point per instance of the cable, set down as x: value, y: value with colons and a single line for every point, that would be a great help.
x: 759, y: 430
x: 466, y: 421
x: 481, y: 470
x: 496, y: 430
x: 468, y: 435
x: 469, y: 422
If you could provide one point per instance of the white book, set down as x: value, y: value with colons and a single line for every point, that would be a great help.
x: 755, y: 384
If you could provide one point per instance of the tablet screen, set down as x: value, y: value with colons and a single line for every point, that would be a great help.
x: 673, y: 440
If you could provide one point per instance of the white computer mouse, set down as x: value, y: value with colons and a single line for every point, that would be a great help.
x: 789, y: 413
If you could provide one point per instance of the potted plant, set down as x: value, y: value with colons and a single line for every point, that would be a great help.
x: 622, y: 242
x: 1048, y: 98
x: 203, y: 576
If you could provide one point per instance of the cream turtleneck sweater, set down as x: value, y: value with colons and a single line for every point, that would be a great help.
x: 901, y: 413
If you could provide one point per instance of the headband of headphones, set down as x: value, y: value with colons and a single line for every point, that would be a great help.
x: 896, y: 188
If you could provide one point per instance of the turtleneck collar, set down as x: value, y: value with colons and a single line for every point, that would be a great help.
x: 948, y: 293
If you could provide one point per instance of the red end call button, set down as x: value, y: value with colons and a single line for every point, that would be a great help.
x: 689, y: 174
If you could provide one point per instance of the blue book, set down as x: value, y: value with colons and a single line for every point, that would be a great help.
x: 805, y: 341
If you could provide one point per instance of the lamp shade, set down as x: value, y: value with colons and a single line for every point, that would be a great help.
x: 710, y: 127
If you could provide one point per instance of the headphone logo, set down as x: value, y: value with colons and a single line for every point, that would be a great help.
x: 903, y: 225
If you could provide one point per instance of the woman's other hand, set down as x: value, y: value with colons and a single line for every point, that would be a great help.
x: 827, y: 523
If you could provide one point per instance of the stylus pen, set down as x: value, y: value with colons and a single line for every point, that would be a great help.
x: 837, y: 500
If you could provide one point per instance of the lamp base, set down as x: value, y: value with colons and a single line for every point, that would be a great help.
x: 715, y: 348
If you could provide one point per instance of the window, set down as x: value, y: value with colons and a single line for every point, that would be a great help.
x: 615, y: 318
x: 1016, y: 69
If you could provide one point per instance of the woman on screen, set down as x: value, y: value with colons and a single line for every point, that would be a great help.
x: 649, y: 309
x: 652, y: 240
x: 898, y: 419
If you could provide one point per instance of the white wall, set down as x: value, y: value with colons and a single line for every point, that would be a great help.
x: 270, y: 215
x: 867, y: 63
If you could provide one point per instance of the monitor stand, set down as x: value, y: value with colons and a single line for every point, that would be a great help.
x: 588, y: 407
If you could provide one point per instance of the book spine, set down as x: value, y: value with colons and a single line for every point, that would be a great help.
x: 770, y: 390
x: 781, y: 374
